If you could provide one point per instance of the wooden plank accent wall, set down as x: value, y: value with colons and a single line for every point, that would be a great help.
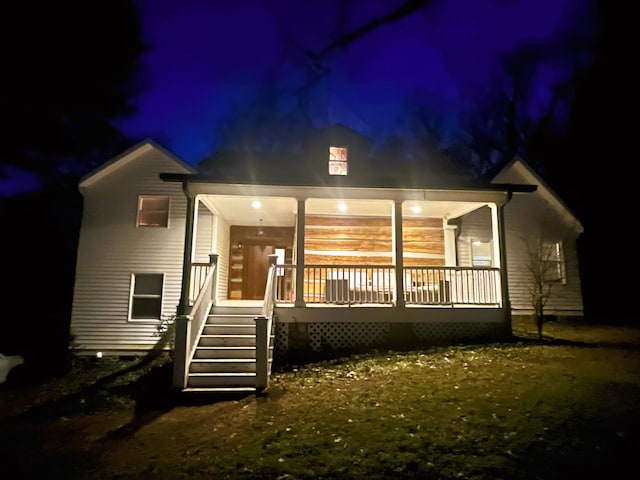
x: 372, y: 244
x: 332, y: 240
x: 423, y: 262
x: 424, y: 239
x: 346, y: 221
x: 324, y: 259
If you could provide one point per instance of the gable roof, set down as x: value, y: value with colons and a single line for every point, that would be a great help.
x: 307, y: 164
x: 128, y: 156
x: 519, y: 166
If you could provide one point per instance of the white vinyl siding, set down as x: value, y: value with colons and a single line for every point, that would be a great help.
x: 203, y: 235
x: 474, y: 226
x: 540, y: 215
x: 223, y: 247
x: 111, y: 248
x: 213, y: 236
x: 528, y: 217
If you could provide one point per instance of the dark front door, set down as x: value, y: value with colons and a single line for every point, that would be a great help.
x: 255, y: 268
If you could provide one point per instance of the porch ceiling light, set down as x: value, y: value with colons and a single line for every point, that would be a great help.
x: 416, y: 209
x: 342, y: 206
x: 256, y: 204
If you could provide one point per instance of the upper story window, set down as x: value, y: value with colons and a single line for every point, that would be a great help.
x: 338, y: 161
x: 153, y: 211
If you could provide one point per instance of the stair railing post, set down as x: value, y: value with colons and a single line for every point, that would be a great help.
x: 183, y: 325
x: 262, y: 357
x: 213, y: 260
x: 274, y: 294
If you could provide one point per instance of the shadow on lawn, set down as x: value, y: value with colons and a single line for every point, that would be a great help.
x: 102, y: 392
x: 548, y: 339
x: 147, y: 384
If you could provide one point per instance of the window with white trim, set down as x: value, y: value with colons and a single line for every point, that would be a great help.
x: 146, y: 296
x: 338, y: 161
x: 480, y: 253
x: 153, y: 211
x: 553, y: 264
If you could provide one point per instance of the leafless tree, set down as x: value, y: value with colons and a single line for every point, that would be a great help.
x: 548, y: 246
x: 494, y: 129
x: 542, y: 267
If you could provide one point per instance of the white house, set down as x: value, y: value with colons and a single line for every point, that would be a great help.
x: 330, y: 253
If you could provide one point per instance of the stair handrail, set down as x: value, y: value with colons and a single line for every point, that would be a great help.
x: 264, y: 326
x: 189, y: 327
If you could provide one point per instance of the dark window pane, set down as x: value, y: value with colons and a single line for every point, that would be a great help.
x: 148, y: 284
x: 146, y: 308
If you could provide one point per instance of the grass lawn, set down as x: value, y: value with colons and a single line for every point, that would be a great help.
x: 568, y: 406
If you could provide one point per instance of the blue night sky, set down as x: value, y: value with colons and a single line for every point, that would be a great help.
x: 209, y: 59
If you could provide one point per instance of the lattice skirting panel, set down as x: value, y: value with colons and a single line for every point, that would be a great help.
x: 458, y: 332
x: 343, y: 336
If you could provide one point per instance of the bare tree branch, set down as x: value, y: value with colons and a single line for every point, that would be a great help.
x: 408, y: 8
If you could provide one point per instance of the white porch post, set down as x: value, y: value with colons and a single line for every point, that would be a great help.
x: 496, y: 253
x: 299, y: 300
x: 398, y: 251
x: 497, y: 221
x: 450, y: 258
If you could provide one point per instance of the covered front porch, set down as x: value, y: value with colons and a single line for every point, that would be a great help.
x: 347, y: 246
x: 441, y: 305
x: 344, y: 266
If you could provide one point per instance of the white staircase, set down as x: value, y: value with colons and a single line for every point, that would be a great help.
x: 225, y: 358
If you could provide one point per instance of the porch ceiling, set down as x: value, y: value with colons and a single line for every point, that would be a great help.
x: 280, y: 211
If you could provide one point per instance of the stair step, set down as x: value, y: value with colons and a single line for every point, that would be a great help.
x: 228, y: 329
x: 231, y: 319
x: 219, y: 389
x: 225, y: 352
x: 230, y: 310
x: 221, y: 380
x: 223, y: 365
x: 227, y: 341
x: 225, y: 358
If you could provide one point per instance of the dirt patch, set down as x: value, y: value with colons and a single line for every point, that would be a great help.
x: 566, y: 406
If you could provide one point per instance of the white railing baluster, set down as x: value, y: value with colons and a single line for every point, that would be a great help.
x: 375, y: 284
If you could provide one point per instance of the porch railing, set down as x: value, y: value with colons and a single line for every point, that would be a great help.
x: 199, y: 272
x: 376, y: 284
x: 452, y: 285
x: 189, y: 326
x: 264, y: 331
